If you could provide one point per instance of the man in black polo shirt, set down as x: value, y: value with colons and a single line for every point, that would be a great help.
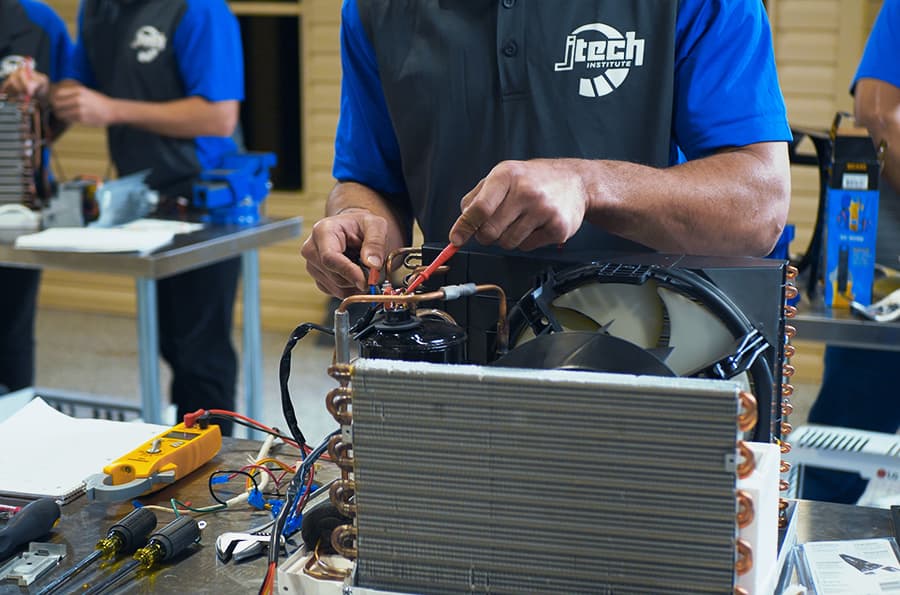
x: 602, y: 125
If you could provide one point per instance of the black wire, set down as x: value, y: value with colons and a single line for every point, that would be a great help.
x: 284, y: 373
x: 213, y: 475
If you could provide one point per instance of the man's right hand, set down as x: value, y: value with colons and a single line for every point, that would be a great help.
x: 339, y: 244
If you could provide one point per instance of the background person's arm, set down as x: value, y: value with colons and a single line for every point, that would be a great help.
x: 180, y: 118
x: 877, y: 106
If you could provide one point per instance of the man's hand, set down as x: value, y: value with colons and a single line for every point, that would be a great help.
x: 73, y: 102
x: 25, y: 82
x: 338, y: 243
x: 523, y: 205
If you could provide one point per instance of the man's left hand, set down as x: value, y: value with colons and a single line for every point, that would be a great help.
x: 523, y: 205
x: 73, y: 102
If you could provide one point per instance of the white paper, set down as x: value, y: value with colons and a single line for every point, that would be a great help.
x: 852, y: 567
x: 171, y: 225
x: 95, y: 239
x: 46, y: 453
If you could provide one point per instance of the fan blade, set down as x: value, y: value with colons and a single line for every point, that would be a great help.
x: 635, y: 310
x: 697, y: 337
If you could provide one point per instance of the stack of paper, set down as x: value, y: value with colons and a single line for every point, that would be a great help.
x: 46, y: 453
x: 91, y: 239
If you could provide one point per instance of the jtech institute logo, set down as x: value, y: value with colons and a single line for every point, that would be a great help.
x: 603, y: 57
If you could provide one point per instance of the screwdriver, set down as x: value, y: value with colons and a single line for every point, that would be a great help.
x: 125, y: 536
x: 163, y: 545
x: 33, y: 521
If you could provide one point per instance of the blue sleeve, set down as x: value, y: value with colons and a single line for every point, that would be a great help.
x: 880, y: 58
x: 55, y: 29
x: 726, y: 86
x: 208, y: 49
x: 80, y: 67
x: 366, y: 148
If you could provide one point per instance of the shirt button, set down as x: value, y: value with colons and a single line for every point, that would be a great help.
x: 510, y: 49
x: 509, y: 3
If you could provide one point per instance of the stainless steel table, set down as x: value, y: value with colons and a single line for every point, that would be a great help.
x: 186, y: 252
x: 815, y: 322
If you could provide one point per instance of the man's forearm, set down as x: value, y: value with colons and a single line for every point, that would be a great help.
x: 877, y: 106
x: 732, y: 203
x: 181, y: 118
x: 346, y: 196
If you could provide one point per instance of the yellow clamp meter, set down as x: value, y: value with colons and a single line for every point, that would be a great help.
x: 155, y: 464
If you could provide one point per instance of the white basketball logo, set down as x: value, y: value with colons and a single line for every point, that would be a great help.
x: 149, y: 42
x: 10, y: 64
x: 604, y: 56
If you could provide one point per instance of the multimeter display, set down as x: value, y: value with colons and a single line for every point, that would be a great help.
x: 181, y: 435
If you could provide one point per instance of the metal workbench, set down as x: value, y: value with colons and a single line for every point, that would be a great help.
x: 187, y: 251
x: 815, y: 322
x: 84, y: 522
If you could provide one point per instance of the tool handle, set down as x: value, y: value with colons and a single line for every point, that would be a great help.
x: 33, y: 521
x: 134, y: 528
x: 176, y: 537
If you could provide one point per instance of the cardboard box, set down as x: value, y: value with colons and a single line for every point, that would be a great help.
x: 852, y: 217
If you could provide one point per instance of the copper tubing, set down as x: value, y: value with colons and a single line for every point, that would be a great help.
x: 790, y: 331
x: 790, y: 311
x: 319, y: 568
x: 341, y: 372
x: 787, y: 407
x: 749, y: 415
x: 786, y: 428
x: 415, y: 298
x: 789, y: 350
x: 791, y: 291
x: 341, y: 493
x: 785, y: 467
x: 744, y: 561
x: 741, y: 591
x: 746, y: 467
x: 341, y: 453
x: 787, y: 390
x: 788, y: 370
x: 338, y: 403
x: 791, y: 272
x: 783, y: 485
x: 405, y: 252
x: 784, y: 446
x: 745, y: 512
x: 343, y: 540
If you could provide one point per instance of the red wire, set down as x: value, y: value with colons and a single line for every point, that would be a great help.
x: 191, y: 418
x: 305, y: 495
x: 443, y: 257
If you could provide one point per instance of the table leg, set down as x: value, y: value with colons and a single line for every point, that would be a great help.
x: 148, y: 350
x: 252, y: 356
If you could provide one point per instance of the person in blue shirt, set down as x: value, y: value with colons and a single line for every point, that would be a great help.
x: 859, y: 386
x: 29, y: 31
x: 166, y: 80
x: 605, y: 125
